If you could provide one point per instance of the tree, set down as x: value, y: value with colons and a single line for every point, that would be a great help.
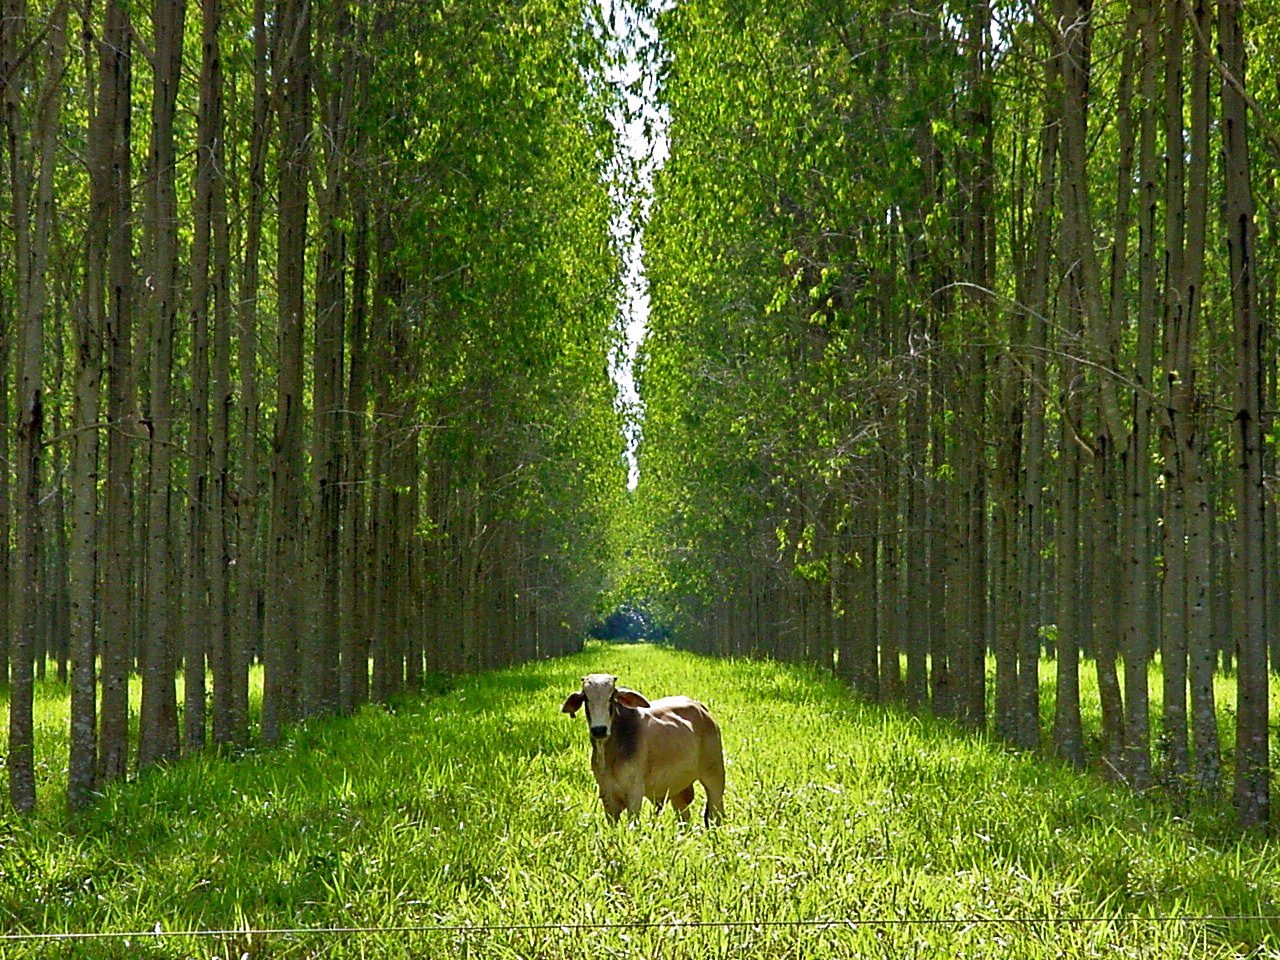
x: 1253, y: 778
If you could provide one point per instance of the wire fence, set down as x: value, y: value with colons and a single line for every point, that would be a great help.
x: 604, y: 926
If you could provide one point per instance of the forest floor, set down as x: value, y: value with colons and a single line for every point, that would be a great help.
x: 474, y: 807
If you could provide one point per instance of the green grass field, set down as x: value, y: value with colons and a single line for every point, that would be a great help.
x: 476, y: 806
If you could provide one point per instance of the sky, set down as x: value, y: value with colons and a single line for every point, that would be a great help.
x: 641, y: 128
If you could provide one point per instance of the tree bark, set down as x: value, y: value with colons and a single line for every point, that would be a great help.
x: 33, y: 226
x: 1175, y: 433
x: 224, y: 661
x: 249, y: 554
x: 197, y: 601
x: 285, y: 601
x: 1137, y: 642
x: 1253, y: 775
x: 118, y: 597
x: 1192, y: 484
x: 82, y: 764
x: 1030, y: 526
x: 336, y: 88
x: 158, y: 734
x: 355, y: 660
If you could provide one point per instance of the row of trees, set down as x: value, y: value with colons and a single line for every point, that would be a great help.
x: 306, y: 311
x: 961, y: 343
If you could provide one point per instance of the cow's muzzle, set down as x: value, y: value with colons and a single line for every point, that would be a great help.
x: 599, y: 732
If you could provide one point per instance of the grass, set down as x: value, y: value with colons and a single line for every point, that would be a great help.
x: 476, y: 806
x: 1091, y: 711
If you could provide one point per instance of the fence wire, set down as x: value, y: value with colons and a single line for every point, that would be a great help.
x: 607, y: 925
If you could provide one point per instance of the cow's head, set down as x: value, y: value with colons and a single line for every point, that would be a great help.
x: 602, y: 697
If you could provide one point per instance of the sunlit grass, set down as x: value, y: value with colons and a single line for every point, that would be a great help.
x: 1091, y: 708
x: 51, y: 727
x: 477, y: 807
x: 51, y: 718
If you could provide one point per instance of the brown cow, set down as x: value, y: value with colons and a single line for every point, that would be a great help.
x: 656, y: 750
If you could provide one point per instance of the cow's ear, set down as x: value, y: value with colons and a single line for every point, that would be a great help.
x: 572, y: 704
x: 629, y: 698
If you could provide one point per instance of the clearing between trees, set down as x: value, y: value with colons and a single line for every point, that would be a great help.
x: 474, y: 806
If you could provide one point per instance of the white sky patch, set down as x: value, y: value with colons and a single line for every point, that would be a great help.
x: 640, y: 124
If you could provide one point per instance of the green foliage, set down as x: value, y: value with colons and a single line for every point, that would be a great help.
x: 495, y: 167
x: 475, y: 805
x: 768, y: 365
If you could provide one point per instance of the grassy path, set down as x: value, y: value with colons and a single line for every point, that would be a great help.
x: 477, y: 806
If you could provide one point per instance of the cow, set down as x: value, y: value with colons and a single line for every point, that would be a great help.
x: 656, y: 750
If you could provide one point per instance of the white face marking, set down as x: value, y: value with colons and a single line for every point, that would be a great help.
x: 597, y: 691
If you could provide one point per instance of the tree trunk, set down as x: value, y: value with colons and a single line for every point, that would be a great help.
x: 158, y: 735
x: 196, y: 599
x: 285, y: 600
x: 1137, y: 641
x: 1189, y: 429
x: 336, y: 86
x: 82, y: 764
x: 1253, y: 775
x: 1175, y: 434
x: 118, y: 606
x: 355, y: 661
x: 249, y: 556
x: 225, y: 663
x: 1030, y: 565
x: 34, y: 226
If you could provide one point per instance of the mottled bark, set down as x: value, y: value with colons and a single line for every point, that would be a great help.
x: 90, y: 325
x: 158, y: 734
x: 1253, y: 772
x: 284, y: 607
x: 33, y: 221
x: 118, y: 566
x: 248, y: 548
x: 224, y: 662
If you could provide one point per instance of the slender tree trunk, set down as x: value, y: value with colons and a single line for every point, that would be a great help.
x: 891, y: 686
x: 1137, y: 642
x: 54, y: 644
x: 8, y: 431
x: 940, y: 646
x: 1174, y: 428
x: 158, y: 735
x: 867, y: 666
x: 1191, y: 483
x: 1030, y: 565
x: 380, y: 376
x: 37, y: 224
x: 248, y: 565
x: 224, y: 661
x: 285, y: 600
x: 355, y: 661
x: 118, y: 607
x: 1067, y: 732
x: 197, y: 601
x: 337, y: 90
x: 1253, y: 774
x: 981, y: 244
x: 82, y: 765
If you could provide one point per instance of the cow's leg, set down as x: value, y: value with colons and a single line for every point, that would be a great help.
x: 680, y: 802
x: 713, y: 783
x: 613, y: 805
x: 635, y: 799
